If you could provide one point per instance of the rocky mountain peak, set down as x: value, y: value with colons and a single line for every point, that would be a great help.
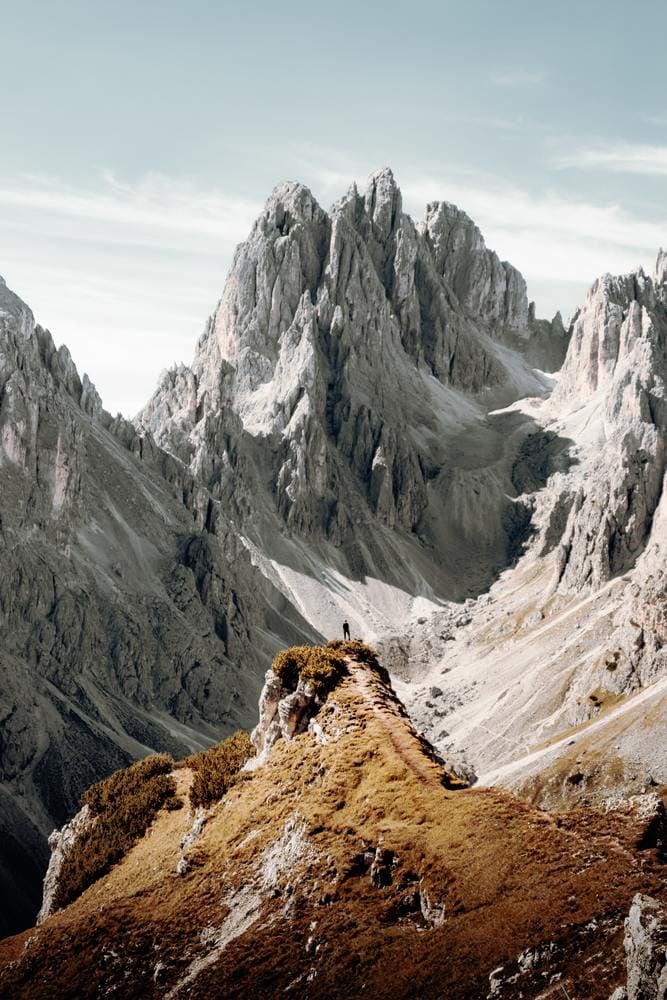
x: 383, y: 202
x: 618, y: 310
x: 325, y: 321
x: 661, y: 267
x: 288, y: 204
x: 486, y: 286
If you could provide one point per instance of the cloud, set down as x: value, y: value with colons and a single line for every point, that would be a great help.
x: 124, y: 273
x: 659, y: 120
x: 519, y: 78
x: 155, y: 210
x: 620, y: 158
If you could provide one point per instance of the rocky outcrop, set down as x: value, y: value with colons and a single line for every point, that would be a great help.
x: 646, y: 951
x: 283, y: 713
x: 616, y: 367
x: 486, y: 286
x: 61, y: 843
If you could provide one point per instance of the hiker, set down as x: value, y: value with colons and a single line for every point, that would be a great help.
x: 346, y: 629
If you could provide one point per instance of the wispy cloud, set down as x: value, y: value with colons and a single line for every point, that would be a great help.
x: 619, y: 158
x: 519, y: 78
x: 514, y: 123
x: 120, y: 270
x: 161, y: 208
x: 656, y: 119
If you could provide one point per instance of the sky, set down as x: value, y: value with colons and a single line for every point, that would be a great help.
x: 140, y: 139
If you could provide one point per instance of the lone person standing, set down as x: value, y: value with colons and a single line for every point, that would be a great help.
x: 346, y: 629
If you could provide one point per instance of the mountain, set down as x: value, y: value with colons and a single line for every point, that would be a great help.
x: 124, y: 624
x: 337, y: 403
x: 367, y: 431
x: 347, y: 861
x: 566, y: 655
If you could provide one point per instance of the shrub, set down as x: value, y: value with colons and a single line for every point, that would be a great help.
x: 323, y: 669
x: 321, y: 666
x: 121, y: 785
x: 123, y: 806
x: 217, y: 769
x: 289, y: 663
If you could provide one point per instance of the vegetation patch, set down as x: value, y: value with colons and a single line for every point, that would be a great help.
x: 320, y: 666
x: 355, y: 649
x: 289, y: 663
x: 217, y: 769
x: 123, y: 806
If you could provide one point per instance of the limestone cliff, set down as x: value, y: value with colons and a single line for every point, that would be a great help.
x: 332, y: 391
x: 126, y: 621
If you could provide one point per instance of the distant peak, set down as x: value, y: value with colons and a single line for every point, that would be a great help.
x: 292, y: 193
x: 661, y: 267
x: 289, y: 189
x: 290, y: 202
x: 384, y: 175
x: 382, y: 200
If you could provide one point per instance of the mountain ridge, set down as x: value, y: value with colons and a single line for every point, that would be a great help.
x: 342, y: 847
x: 362, y: 434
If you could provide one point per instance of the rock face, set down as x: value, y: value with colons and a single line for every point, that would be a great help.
x: 616, y: 368
x: 61, y: 842
x: 289, y: 411
x: 283, y: 713
x: 575, y: 635
x: 126, y: 618
x: 646, y: 951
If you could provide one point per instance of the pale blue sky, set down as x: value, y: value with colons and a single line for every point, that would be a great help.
x: 139, y: 140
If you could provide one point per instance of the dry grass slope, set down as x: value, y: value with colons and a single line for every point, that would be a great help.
x: 335, y: 871
x: 123, y: 807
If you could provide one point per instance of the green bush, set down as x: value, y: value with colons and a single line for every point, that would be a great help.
x: 217, y: 769
x: 122, y: 806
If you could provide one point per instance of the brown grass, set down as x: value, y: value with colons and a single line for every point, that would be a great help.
x: 217, y: 769
x: 355, y: 649
x: 509, y: 877
x: 289, y: 663
x: 320, y: 666
x: 123, y: 806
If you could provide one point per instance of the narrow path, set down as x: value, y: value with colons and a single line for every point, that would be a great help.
x: 414, y: 751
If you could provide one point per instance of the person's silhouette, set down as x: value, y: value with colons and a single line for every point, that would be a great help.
x: 346, y: 629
